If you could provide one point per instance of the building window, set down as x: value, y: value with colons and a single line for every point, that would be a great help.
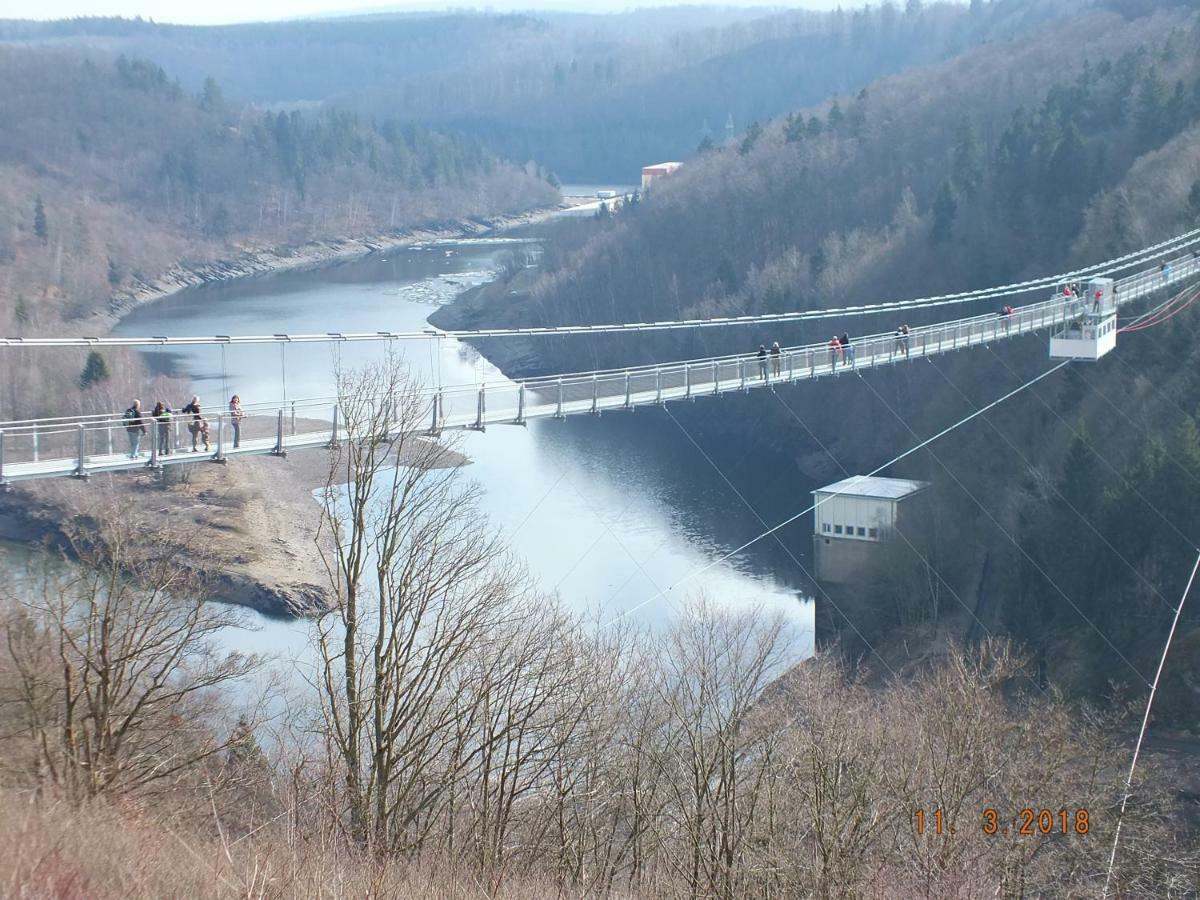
x: 873, y: 533
x: 825, y: 527
x: 862, y: 532
x: 837, y: 529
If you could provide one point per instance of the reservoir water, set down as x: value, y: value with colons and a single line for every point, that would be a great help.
x: 607, y: 511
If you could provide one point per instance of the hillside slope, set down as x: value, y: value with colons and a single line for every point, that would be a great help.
x: 590, y: 97
x: 110, y: 173
x: 1011, y: 160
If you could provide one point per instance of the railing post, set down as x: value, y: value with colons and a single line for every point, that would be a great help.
x: 278, y: 451
x: 434, y: 425
x: 333, y: 434
x: 558, y: 412
x: 742, y: 373
x: 791, y: 365
x: 35, y: 443
x: 81, y: 463
x: 293, y: 417
x: 658, y: 386
x: 716, y: 378
x: 481, y: 408
x: 521, y: 404
x: 628, y: 391
x: 687, y: 381
x: 220, y: 457
x: 595, y: 394
x: 154, y: 444
x: 2, y: 481
x: 110, y: 449
x: 812, y: 364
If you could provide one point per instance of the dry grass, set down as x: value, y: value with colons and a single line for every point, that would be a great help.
x: 49, y: 850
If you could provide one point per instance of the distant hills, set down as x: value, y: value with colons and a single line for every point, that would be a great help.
x: 112, y: 172
x: 590, y: 97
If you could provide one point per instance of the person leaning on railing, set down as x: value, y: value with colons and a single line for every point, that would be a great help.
x: 236, y: 414
x: 197, y: 427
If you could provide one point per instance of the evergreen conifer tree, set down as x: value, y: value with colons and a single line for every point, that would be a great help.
x: 40, y: 227
x: 95, y: 371
x: 1194, y: 202
x: 753, y: 133
x: 945, y: 210
x: 21, y: 312
x: 836, y: 117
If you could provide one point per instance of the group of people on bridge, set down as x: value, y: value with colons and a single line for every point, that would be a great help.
x: 137, y: 424
x: 841, y: 350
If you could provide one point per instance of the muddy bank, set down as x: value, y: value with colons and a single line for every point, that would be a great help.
x: 490, y: 305
x: 248, y: 261
x: 258, y: 515
x: 256, y: 519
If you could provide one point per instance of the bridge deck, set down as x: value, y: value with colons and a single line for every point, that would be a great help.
x: 85, y: 445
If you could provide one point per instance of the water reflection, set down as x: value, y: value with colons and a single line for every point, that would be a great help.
x: 608, y: 511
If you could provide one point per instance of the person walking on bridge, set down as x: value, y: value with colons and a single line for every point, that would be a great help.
x: 776, y: 355
x: 162, y: 419
x: 135, y: 427
x: 235, y: 418
x: 902, y: 339
x: 762, y: 362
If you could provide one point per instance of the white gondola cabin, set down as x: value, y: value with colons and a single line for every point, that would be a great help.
x: 1090, y: 330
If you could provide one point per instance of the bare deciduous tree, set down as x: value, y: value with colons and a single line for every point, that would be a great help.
x: 117, y: 671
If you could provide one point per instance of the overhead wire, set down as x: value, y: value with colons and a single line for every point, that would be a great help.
x: 1059, y: 494
x: 1137, y: 748
x: 904, y: 537
x: 911, y: 450
x: 1000, y: 527
x: 1125, y: 415
x: 1100, y: 456
x: 786, y: 549
x: 1107, y: 267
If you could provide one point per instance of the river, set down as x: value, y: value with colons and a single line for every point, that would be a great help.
x: 608, y: 511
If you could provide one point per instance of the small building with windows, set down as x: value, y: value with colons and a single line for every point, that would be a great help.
x: 1090, y: 327
x: 852, y: 517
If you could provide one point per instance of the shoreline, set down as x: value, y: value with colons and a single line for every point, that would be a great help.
x: 250, y: 261
x: 263, y: 514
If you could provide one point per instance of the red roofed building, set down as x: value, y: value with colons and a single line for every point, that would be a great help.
x: 649, y: 173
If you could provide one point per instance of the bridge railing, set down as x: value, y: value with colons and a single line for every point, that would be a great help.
x: 1141, y: 284
x: 93, y: 441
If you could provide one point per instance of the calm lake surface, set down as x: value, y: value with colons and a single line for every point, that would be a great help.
x: 607, y: 511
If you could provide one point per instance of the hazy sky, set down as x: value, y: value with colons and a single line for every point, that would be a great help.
x: 209, y: 12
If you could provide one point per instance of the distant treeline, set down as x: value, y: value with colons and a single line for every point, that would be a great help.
x: 113, y: 172
x: 588, y: 97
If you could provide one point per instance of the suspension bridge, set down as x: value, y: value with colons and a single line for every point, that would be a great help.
x: 78, y: 446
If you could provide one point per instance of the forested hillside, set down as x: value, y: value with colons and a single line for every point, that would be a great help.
x: 589, y: 97
x: 1072, y: 145
x: 111, y: 172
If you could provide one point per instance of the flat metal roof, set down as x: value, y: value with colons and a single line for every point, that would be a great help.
x: 874, y: 486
